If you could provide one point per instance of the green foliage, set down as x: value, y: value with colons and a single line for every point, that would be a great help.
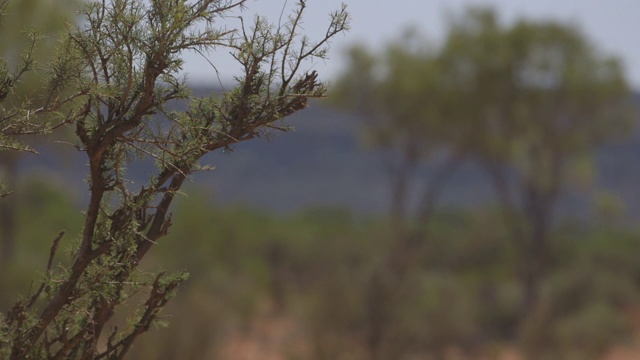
x: 53, y: 209
x: 111, y: 74
x: 323, y: 283
x: 315, y: 269
x: 31, y: 31
x: 529, y: 101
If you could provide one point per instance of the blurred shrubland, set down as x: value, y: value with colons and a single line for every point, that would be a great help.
x: 300, y: 286
x: 528, y: 103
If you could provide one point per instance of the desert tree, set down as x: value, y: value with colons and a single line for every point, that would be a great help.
x: 409, y: 113
x: 530, y: 102
x: 543, y: 99
x: 122, y: 65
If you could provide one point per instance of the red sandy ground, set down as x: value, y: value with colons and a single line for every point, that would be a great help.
x: 278, y: 338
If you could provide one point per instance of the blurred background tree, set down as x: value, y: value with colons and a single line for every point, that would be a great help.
x: 409, y: 111
x: 531, y: 102
x: 545, y: 99
x: 49, y: 20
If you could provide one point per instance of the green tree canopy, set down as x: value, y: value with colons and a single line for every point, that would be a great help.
x: 544, y: 98
x: 530, y: 101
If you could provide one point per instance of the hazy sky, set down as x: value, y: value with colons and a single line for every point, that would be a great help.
x: 612, y: 25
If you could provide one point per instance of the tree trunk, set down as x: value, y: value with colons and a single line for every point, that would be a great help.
x: 435, y: 187
x: 400, y: 178
x: 8, y: 204
x: 538, y: 211
x: 378, y: 314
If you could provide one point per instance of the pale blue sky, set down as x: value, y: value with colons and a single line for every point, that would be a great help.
x: 612, y: 25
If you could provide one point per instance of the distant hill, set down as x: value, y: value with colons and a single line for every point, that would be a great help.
x: 322, y: 163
